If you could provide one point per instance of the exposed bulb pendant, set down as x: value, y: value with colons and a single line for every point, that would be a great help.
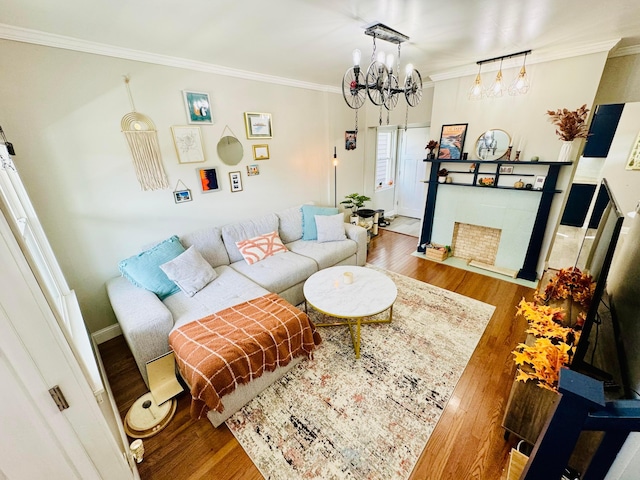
x: 520, y: 84
x: 476, y: 92
x: 497, y: 88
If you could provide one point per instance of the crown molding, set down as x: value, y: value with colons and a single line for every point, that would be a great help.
x: 36, y: 37
x: 536, y: 56
x: 624, y: 51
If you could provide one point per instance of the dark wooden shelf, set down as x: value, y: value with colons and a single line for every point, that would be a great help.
x: 497, y: 187
x: 496, y: 162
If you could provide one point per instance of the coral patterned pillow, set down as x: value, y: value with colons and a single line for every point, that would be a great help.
x: 258, y: 248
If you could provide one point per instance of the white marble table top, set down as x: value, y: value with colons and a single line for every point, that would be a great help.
x: 371, y: 292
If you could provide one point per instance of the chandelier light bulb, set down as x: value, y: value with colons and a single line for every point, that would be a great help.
x: 390, y: 61
x: 381, y: 57
x: 408, y: 70
x: 357, y: 55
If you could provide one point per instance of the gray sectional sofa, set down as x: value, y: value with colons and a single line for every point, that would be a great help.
x: 146, y: 321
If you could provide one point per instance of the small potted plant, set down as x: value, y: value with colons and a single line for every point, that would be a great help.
x: 355, y: 202
x: 431, y: 146
x: 442, y: 175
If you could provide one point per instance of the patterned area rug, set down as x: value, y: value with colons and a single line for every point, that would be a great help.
x: 335, y: 417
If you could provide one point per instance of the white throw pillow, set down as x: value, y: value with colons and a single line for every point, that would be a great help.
x: 258, y: 248
x: 330, y: 228
x: 189, y: 271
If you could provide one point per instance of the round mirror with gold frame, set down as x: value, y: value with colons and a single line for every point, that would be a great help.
x: 230, y: 150
x: 492, y: 145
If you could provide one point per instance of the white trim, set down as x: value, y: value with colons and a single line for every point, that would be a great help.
x: 25, y: 35
x: 624, y: 51
x: 106, y: 334
x: 536, y: 56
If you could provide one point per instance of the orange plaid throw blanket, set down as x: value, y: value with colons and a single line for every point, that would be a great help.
x: 217, y: 353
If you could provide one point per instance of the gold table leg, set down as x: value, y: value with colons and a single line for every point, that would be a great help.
x: 355, y: 338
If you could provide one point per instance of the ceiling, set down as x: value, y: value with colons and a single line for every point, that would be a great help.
x: 311, y: 40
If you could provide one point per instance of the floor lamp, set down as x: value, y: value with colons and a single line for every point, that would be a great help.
x: 335, y: 178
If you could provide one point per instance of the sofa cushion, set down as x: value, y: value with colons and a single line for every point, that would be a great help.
x: 309, y: 230
x: 330, y: 228
x: 278, y: 272
x: 189, y: 271
x: 258, y: 248
x: 237, y: 232
x: 209, y: 243
x: 325, y: 254
x: 143, y: 269
x: 229, y: 288
x: 290, y: 227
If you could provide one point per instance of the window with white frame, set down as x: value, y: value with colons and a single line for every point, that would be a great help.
x: 385, y: 158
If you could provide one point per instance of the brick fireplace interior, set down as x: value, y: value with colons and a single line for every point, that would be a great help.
x: 475, y: 242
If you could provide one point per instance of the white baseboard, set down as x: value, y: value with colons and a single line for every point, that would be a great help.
x: 106, y: 334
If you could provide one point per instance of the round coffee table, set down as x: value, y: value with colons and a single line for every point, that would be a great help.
x: 370, y: 293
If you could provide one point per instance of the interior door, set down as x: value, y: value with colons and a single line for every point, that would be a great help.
x: 37, y: 440
x: 411, y: 171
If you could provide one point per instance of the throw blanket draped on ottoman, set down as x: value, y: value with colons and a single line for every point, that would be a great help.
x: 217, y: 353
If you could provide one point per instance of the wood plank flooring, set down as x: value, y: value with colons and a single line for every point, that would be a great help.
x: 467, y: 443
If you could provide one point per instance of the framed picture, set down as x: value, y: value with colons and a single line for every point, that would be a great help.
x: 198, y: 107
x: 188, y: 142
x: 261, y: 152
x: 506, y: 169
x: 350, y: 138
x: 634, y: 157
x: 208, y: 178
x: 182, y: 196
x: 539, y: 182
x: 253, y: 170
x: 258, y: 125
x: 452, y: 141
x: 236, y: 181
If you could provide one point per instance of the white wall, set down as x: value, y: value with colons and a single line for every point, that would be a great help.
x: 567, y: 83
x: 62, y: 111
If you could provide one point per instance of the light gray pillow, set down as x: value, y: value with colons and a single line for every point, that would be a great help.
x: 189, y: 271
x: 330, y: 228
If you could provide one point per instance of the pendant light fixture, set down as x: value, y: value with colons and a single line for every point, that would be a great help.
x: 519, y: 86
x: 477, y: 92
x: 497, y: 87
x: 380, y: 81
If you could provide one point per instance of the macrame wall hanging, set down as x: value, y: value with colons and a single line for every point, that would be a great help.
x: 142, y: 138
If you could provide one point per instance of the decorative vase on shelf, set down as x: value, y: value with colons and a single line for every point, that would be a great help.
x: 565, y: 151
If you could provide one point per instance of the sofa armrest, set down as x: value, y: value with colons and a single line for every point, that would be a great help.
x: 145, y: 321
x: 359, y: 235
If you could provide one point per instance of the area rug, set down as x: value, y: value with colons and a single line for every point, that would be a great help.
x: 335, y: 417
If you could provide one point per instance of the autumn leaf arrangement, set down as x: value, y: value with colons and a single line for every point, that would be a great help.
x: 570, y: 124
x: 554, y: 341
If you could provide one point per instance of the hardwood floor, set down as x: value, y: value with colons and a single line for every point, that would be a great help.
x: 467, y: 443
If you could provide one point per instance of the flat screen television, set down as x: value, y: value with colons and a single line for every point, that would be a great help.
x: 596, y: 254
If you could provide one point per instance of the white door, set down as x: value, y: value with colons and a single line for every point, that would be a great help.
x: 411, y: 172
x: 37, y: 440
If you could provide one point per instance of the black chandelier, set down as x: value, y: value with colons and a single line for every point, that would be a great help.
x: 380, y: 82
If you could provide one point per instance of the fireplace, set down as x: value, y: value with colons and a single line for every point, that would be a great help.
x: 475, y: 242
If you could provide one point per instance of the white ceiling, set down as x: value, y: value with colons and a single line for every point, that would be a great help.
x: 312, y: 40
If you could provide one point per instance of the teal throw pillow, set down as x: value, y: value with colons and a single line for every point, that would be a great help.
x: 143, y: 269
x: 309, y: 212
